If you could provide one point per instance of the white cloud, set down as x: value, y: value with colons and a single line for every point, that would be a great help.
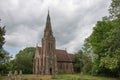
x: 22, y: 37
x: 72, y: 21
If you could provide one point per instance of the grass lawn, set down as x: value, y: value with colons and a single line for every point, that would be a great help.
x: 78, y: 77
x: 58, y: 77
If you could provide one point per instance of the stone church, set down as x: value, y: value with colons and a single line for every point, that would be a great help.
x: 48, y: 59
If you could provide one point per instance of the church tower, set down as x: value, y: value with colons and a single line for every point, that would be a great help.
x: 48, y: 59
x: 48, y: 50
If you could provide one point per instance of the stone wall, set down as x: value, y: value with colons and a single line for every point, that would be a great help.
x: 65, y: 67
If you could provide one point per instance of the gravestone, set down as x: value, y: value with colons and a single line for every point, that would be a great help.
x: 9, y: 75
x: 20, y: 73
x: 15, y: 73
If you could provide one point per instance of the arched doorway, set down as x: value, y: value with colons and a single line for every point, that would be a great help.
x: 50, y: 71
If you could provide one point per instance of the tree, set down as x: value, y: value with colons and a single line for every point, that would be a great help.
x: 24, y: 60
x: 105, y: 43
x: 114, y: 9
x: 6, y: 57
x: 3, y: 62
x: 10, y: 66
x: 82, y: 62
x: 2, y: 40
x: 78, y: 65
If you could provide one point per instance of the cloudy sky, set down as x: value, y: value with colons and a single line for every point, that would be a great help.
x: 72, y: 21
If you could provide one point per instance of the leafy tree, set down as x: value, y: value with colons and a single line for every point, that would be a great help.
x: 3, y: 69
x: 88, y: 49
x: 82, y: 62
x: 100, y: 33
x: 2, y: 40
x: 24, y: 60
x: 78, y: 65
x: 114, y: 8
x: 4, y: 61
x: 105, y: 43
x: 10, y: 66
x: 6, y: 57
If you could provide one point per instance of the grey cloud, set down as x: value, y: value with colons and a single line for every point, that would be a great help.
x: 72, y: 21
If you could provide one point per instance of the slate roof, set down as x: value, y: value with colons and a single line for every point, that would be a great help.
x: 62, y: 55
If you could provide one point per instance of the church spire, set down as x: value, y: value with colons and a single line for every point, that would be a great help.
x: 48, y: 29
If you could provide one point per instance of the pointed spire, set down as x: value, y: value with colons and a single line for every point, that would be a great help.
x: 48, y: 17
x: 48, y: 29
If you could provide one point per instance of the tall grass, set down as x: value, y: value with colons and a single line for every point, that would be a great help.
x: 57, y: 77
x: 79, y: 77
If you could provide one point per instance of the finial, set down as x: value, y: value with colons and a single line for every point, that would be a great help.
x: 48, y: 16
x: 48, y: 11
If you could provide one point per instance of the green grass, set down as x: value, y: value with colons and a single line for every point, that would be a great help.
x: 27, y: 77
x: 58, y: 77
x: 79, y: 77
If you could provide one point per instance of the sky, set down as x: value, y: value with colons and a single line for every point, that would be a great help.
x: 72, y: 21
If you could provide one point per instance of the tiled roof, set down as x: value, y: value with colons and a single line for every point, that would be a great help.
x: 62, y: 55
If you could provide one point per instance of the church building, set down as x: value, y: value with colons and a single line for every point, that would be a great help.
x: 48, y: 59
